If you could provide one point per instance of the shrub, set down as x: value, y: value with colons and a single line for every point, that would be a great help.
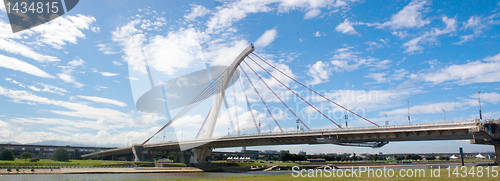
x: 61, y: 154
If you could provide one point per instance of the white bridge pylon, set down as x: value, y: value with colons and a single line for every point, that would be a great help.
x: 208, y: 130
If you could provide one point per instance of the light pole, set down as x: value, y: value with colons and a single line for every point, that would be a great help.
x: 479, y: 99
x: 297, y: 124
x: 386, y: 122
x: 444, y: 113
x: 259, y: 124
x: 409, y: 111
x: 346, y: 117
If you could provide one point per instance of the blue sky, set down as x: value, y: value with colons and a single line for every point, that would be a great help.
x: 77, y: 78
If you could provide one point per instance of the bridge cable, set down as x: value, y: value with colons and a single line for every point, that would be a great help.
x: 248, y: 106
x: 203, y: 125
x: 236, y: 109
x: 262, y: 100
x: 276, y: 94
x: 203, y: 94
x: 315, y: 91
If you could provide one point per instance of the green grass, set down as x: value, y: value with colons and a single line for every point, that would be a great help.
x: 71, y: 163
x: 443, y: 176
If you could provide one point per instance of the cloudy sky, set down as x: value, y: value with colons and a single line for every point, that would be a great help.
x: 77, y: 79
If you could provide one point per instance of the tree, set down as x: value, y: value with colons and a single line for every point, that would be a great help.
x: 26, y: 155
x: 430, y: 158
x: 60, y: 154
x: 171, y: 157
x: 285, y: 157
x: 443, y: 158
x: 399, y: 157
x: 7, y: 154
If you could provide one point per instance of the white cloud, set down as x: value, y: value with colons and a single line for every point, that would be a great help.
x: 45, y: 87
x: 196, y: 11
x: 319, y: 72
x: 409, y: 17
x: 150, y: 25
x: 103, y: 100
x: 373, y: 45
x: 2, y: 7
x: 49, y: 88
x: 346, y: 28
x: 131, y: 39
x: 234, y: 11
x: 117, y: 63
x: 107, y: 49
x: 312, y: 13
x: 434, y: 107
x: 107, y: 74
x: 18, y: 65
x: 317, y: 34
x: 177, y: 51
x: 477, y: 25
x: 365, y: 101
x: 18, y: 48
x: 64, y: 29
x: 76, y: 110
x: 491, y: 97
x: 347, y: 60
x: 67, y: 72
x: 383, y: 78
x: 266, y: 38
x: 469, y: 73
x: 430, y: 37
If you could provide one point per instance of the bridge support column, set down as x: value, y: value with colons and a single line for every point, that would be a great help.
x: 199, y: 155
x: 497, y: 153
x: 182, y: 157
x: 138, y: 153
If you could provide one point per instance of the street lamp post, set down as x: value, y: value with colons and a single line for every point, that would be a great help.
x: 386, y: 122
x: 479, y: 99
x: 297, y: 124
x: 409, y: 111
x: 346, y: 117
x: 259, y: 124
x: 444, y: 113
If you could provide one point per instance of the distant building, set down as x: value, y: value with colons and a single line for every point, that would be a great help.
x: 302, y: 153
x: 453, y: 157
x: 284, y: 151
x: 45, y: 151
x: 270, y: 152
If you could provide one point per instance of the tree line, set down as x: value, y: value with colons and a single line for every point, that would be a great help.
x: 61, y: 154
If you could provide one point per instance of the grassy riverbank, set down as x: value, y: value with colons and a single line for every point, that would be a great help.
x: 425, y: 175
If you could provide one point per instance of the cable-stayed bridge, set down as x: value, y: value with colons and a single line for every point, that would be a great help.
x: 196, y: 150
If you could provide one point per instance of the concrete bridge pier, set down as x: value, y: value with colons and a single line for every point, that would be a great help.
x: 199, y: 155
x: 182, y: 157
x: 497, y: 153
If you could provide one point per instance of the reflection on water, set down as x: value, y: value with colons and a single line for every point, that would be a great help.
x: 151, y: 176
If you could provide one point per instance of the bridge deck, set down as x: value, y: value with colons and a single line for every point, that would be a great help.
x: 458, y: 130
